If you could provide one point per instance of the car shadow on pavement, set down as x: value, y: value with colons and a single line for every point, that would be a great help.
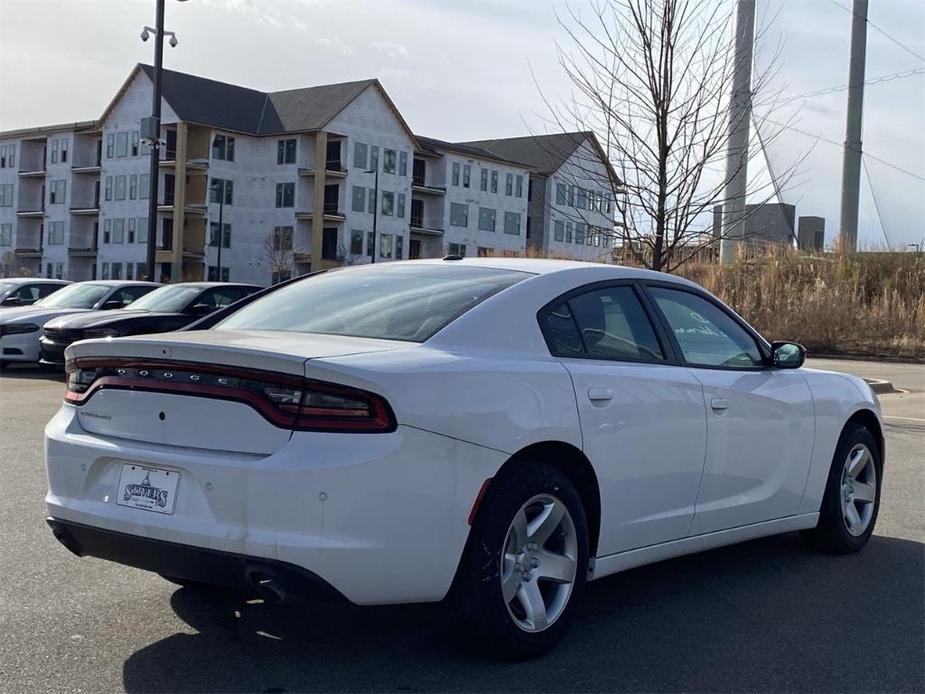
x: 767, y: 615
x: 32, y: 372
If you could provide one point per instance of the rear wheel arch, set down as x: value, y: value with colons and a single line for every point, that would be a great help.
x: 573, y: 463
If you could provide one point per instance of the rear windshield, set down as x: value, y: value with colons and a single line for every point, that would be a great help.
x: 389, y: 301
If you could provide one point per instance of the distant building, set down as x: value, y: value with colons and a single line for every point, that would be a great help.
x: 292, y: 175
x: 773, y: 223
x: 812, y: 233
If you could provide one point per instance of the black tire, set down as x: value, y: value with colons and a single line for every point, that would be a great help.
x: 831, y: 535
x: 486, y: 617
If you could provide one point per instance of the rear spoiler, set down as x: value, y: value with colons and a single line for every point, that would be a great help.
x: 206, y: 322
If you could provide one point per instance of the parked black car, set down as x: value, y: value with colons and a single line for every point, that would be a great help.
x: 165, y: 309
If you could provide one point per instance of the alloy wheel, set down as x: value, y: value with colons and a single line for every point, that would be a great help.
x: 858, y: 489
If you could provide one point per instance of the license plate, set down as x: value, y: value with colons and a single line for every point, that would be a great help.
x: 148, y: 488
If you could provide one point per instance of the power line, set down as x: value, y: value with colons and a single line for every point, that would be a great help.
x: 845, y: 87
x: 873, y: 195
x: 891, y: 38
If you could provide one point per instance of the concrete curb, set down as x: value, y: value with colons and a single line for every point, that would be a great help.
x: 880, y: 387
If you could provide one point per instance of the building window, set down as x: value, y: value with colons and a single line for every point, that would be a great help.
x: 107, y: 188
x: 282, y: 238
x: 455, y: 173
x: 6, y: 195
x: 121, y: 144
x: 6, y: 234
x: 54, y: 151
x: 329, y: 244
x: 402, y: 163
x: 129, y: 271
x: 372, y: 201
x: 388, y: 161
x: 226, y: 275
x: 7, y: 156
x: 358, y: 199
x: 142, y: 230
x: 213, y: 235
x: 144, y: 187
x: 131, y: 237
x: 400, y: 206
x: 55, y: 233
x: 374, y: 157
x: 141, y: 270
x: 120, y: 188
x: 285, y: 194
x: 360, y: 155
x: 221, y: 188
x: 110, y: 145
x: 118, y: 231
x: 370, y: 244
x: 509, y: 184
x: 568, y: 232
x: 58, y: 192
x: 561, y: 194
x: 512, y: 223
x: 117, y: 271
x: 459, y: 214
x: 467, y: 173
x: 133, y: 186
x: 486, y: 219
x: 356, y: 242
x: 285, y: 151
x: 494, y: 181
x: 457, y: 249
x: 388, y: 203
x: 399, y: 247
x: 519, y: 188
x: 485, y: 251
x: 64, y: 146
x: 223, y: 148
x: 385, y: 246
x: 559, y: 233
x: 136, y: 142
x: 582, y: 199
x: 483, y: 182
x: 579, y: 233
x: 107, y: 230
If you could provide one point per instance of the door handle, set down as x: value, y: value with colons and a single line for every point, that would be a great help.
x: 719, y: 404
x: 599, y: 394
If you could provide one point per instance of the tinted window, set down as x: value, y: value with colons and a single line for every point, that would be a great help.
x: 708, y: 336
x: 29, y: 293
x: 389, y: 301
x: 220, y: 297
x: 46, y: 289
x: 613, y: 325
x: 561, y: 332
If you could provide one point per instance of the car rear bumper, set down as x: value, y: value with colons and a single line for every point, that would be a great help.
x: 382, y: 518
x: 267, y: 577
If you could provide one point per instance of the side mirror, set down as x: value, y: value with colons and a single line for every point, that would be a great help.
x: 200, y: 310
x: 788, y: 355
x: 111, y: 304
x: 11, y: 301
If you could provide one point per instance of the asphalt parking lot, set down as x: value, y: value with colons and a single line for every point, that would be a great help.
x: 764, y: 616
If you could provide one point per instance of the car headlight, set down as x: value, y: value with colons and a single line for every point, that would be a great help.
x: 18, y: 328
x: 102, y: 332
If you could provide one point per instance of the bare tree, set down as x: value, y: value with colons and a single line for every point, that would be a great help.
x: 651, y: 79
x: 278, y: 252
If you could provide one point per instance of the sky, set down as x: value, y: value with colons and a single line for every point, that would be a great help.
x: 477, y: 69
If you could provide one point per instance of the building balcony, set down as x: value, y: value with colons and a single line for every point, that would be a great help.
x: 328, y: 172
x: 427, y: 190
x: 192, y: 165
x: 302, y: 257
x: 89, y: 169
x: 426, y: 228
x: 26, y: 252
x: 88, y: 210
x: 34, y: 173
x: 82, y: 251
x: 330, y: 214
x: 31, y: 214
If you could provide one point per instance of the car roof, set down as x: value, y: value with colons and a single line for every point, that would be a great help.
x: 546, y: 266
x: 32, y: 280
x: 205, y: 285
x: 121, y: 283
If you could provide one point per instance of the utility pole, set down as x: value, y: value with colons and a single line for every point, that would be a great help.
x: 740, y: 113
x: 375, y: 207
x: 221, y: 226
x: 153, y: 132
x: 851, y: 165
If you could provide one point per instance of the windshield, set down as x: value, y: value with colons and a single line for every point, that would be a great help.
x: 75, y: 296
x: 167, y: 299
x: 5, y: 287
x: 391, y: 302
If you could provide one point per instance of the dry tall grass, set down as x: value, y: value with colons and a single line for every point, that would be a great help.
x: 869, y: 304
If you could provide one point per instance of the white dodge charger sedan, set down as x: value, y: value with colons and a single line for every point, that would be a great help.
x: 495, y: 431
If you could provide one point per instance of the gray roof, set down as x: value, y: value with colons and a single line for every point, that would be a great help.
x: 231, y: 107
x: 430, y: 145
x: 543, y: 153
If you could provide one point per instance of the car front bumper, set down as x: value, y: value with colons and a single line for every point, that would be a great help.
x: 382, y: 518
x: 20, y: 347
x: 52, y: 351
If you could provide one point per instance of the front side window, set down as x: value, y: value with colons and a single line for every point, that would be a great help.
x: 707, y: 335
x: 607, y: 323
x: 387, y: 301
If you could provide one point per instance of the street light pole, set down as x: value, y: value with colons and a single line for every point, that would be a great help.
x: 375, y: 206
x: 221, y: 229
x: 154, y: 132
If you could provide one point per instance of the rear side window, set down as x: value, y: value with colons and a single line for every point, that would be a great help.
x: 387, y: 301
x: 607, y: 323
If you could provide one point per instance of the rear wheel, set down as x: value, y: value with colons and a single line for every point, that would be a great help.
x: 526, y: 563
x: 852, y: 495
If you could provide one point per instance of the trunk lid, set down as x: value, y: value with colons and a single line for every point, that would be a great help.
x: 189, y: 412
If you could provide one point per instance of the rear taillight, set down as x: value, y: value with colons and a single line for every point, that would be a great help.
x: 286, y: 401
